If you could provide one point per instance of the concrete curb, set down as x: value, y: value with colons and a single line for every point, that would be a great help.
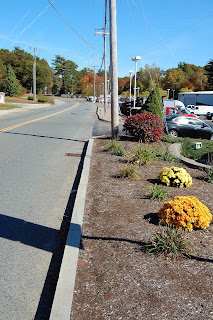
x: 175, y: 150
x: 62, y: 302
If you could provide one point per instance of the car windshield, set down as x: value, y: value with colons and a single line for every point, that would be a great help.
x: 184, y: 111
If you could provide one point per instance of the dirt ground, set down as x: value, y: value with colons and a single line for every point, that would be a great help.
x: 115, y: 278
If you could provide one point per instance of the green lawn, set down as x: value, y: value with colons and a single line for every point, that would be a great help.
x: 188, y: 149
x: 4, y: 107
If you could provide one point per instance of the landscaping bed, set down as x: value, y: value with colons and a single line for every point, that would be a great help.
x: 116, y: 278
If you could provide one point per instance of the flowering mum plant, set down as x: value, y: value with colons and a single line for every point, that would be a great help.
x: 175, y: 177
x: 186, y: 213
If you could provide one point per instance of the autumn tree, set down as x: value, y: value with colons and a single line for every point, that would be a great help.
x: 150, y: 76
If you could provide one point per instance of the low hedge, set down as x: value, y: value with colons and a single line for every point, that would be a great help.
x: 43, y: 100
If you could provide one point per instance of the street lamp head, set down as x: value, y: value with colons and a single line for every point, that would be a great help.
x: 130, y: 71
x: 136, y: 58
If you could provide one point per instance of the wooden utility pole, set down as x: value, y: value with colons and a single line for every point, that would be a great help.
x: 34, y: 73
x: 113, y: 70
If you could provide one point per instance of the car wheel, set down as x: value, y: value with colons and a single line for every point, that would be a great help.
x: 173, y: 133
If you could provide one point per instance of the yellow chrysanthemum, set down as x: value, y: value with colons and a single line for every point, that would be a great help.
x: 186, y: 213
x: 176, y: 177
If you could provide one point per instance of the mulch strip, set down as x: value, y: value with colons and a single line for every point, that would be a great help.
x: 115, y: 278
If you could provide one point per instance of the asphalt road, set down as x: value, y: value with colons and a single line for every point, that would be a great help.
x: 38, y: 181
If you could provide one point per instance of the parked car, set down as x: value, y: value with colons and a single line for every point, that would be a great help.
x: 179, y: 111
x: 184, y: 126
x: 126, y: 108
x: 209, y: 115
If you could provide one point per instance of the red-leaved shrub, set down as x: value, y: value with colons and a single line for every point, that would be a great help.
x: 147, y: 127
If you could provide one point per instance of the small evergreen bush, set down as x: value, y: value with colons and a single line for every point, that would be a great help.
x: 147, y: 127
x: 30, y: 98
x: 153, y: 103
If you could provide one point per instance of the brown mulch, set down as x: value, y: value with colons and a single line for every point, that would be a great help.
x: 115, y: 278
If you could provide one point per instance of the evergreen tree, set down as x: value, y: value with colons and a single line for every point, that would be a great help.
x: 10, y: 85
x: 209, y: 72
x: 154, y: 103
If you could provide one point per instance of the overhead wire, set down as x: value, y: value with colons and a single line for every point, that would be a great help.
x: 72, y: 27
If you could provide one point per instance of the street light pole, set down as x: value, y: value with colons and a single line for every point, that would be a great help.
x: 168, y: 93
x: 135, y: 59
x: 138, y: 91
x: 173, y: 90
x: 94, y: 85
x: 130, y: 88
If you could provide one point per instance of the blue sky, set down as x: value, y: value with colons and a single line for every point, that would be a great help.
x: 161, y: 32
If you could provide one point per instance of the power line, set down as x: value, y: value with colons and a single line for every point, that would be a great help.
x: 72, y: 27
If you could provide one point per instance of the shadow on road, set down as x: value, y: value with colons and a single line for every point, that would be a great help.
x: 46, y: 239
x: 39, y: 136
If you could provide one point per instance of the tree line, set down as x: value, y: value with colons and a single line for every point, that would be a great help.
x: 16, y: 76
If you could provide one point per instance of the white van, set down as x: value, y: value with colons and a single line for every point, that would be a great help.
x: 172, y: 103
x: 201, y: 110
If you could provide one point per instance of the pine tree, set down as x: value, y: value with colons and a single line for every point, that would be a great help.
x: 209, y: 72
x: 10, y: 85
x: 153, y: 103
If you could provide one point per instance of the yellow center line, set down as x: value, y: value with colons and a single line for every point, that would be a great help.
x: 38, y: 119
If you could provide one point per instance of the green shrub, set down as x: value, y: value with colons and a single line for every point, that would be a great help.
x: 158, y: 192
x: 43, y: 100
x: 143, y: 154
x: 30, y: 98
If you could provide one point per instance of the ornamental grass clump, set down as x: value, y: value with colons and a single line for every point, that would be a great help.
x: 129, y: 172
x: 116, y: 148
x: 185, y: 213
x: 170, y: 242
x: 175, y: 177
x: 143, y: 154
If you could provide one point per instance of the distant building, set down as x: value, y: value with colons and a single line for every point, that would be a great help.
x: 196, y: 98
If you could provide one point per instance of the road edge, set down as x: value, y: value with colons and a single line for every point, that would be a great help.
x: 62, y: 303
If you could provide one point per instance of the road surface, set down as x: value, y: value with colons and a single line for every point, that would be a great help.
x: 40, y: 161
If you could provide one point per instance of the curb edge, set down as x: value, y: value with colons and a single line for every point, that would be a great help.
x: 62, y: 303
